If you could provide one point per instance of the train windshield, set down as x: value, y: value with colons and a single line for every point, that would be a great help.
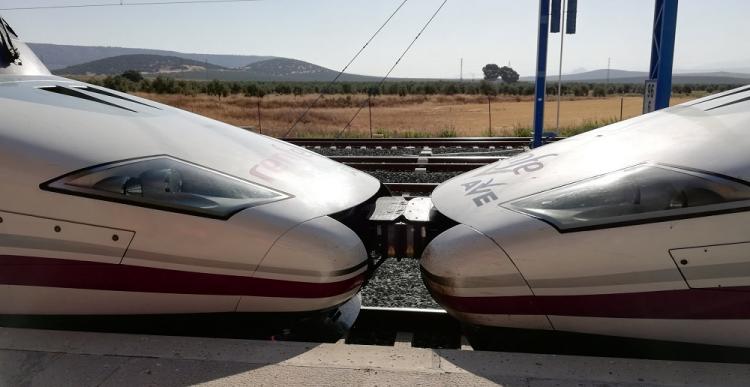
x: 638, y: 194
x: 166, y: 183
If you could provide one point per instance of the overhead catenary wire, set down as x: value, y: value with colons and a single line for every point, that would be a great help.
x: 323, y: 91
x: 362, y: 105
x: 124, y: 4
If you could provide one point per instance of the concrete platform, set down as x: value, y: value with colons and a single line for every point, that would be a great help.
x: 57, y: 358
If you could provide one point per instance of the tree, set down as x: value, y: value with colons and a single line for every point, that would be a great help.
x: 508, y: 74
x: 600, y: 91
x: 119, y: 83
x: 581, y: 90
x: 282, y: 88
x: 217, y: 88
x: 373, y: 90
x: 163, y: 85
x: 252, y: 90
x: 235, y: 88
x: 491, y: 72
x: 132, y: 76
x: 450, y: 89
x: 487, y: 88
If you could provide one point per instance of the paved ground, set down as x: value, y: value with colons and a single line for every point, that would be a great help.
x: 55, y: 358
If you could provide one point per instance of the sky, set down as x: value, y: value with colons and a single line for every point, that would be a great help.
x: 329, y: 32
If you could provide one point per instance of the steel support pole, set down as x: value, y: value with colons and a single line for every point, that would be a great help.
x: 559, y: 69
x: 662, y: 50
x: 541, y: 72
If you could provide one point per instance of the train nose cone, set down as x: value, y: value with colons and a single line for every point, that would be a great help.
x: 462, y: 262
x: 474, y: 280
x: 316, y: 265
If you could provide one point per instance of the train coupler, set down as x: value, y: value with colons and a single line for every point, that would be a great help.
x: 404, y: 226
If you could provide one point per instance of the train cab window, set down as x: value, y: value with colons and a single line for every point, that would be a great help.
x: 639, y: 194
x: 167, y: 183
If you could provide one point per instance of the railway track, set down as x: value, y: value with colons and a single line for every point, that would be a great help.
x: 464, y: 142
x: 416, y: 163
x: 418, y: 157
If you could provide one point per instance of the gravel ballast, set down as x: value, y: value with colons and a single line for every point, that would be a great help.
x: 367, y: 152
x: 412, y: 177
x: 398, y: 284
x: 415, y: 151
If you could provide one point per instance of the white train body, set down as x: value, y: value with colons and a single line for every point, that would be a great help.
x: 113, y: 204
x: 637, y: 229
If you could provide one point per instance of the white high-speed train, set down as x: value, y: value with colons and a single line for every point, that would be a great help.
x: 116, y: 205
x: 638, y: 229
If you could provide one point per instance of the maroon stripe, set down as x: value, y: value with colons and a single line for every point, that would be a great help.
x: 728, y: 303
x: 53, y: 272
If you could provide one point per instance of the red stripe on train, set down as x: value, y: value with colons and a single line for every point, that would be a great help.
x: 727, y: 303
x: 62, y: 273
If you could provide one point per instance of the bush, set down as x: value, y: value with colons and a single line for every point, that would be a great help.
x: 132, y: 81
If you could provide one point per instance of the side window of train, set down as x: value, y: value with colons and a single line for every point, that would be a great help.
x: 643, y: 193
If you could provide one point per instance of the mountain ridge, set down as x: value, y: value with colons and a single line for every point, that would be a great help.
x: 273, y: 69
x: 144, y: 63
x: 77, y: 60
x: 629, y: 76
x: 59, y: 56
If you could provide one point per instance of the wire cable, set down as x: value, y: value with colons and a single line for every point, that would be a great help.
x: 124, y: 4
x: 361, y: 106
x: 323, y: 91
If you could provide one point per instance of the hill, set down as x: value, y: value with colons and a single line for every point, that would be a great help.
x: 588, y: 76
x: 289, y: 68
x: 155, y: 64
x: 275, y: 69
x: 57, y: 56
x: 678, y: 79
x: 278, y: 69
x: 72, y: 59
x: 624, y: 76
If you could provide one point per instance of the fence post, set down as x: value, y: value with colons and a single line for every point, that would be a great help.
x: 369, y: 108
x: 489, y: 111
x: 260, y: 126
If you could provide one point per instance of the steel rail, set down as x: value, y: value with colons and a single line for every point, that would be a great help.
x: 414, y: 167
x: 418, y: 159
x: 480, y: 142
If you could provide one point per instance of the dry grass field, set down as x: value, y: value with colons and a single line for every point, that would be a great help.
x: 394, y: 116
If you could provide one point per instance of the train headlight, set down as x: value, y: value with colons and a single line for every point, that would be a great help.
x: 166, y: 183
x: 639, y: 194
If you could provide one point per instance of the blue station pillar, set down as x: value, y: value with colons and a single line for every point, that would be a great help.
x: 662, y: 51
x: 541, y: 72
